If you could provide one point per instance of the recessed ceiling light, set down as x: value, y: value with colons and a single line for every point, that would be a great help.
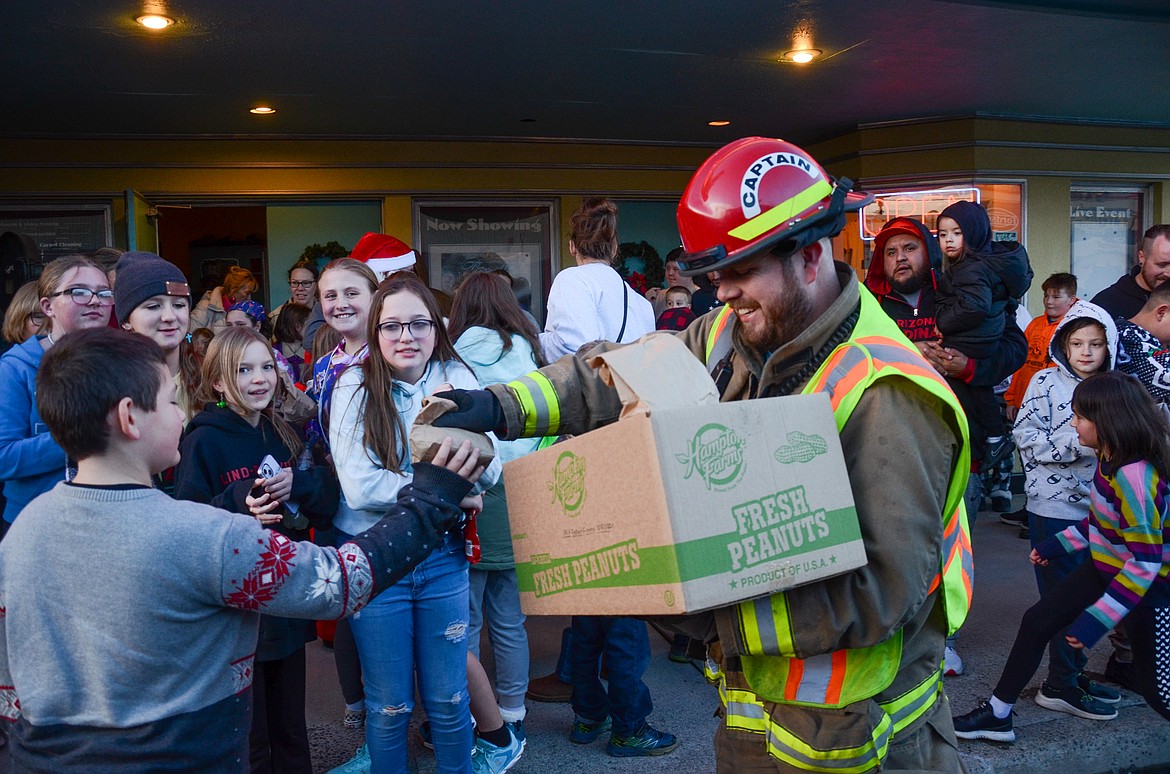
x: 263, y: 110
x: 718, y: 123
x: 155, y: 21
x: 802, y: 55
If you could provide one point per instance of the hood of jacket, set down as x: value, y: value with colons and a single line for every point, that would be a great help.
x: 483, y: 350
x: 1010, y: 262
x: 28, y: 353
x: 875, y: 276
x: 1079, y: 309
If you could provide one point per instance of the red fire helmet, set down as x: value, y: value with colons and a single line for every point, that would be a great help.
x: 759, y: 193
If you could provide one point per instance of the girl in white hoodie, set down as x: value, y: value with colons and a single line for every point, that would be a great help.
x: 419, y: 625
x: 1058, y: 473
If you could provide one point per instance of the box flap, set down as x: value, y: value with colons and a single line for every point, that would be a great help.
x: 656, y: 373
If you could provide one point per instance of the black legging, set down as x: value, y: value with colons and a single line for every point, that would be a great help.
x: 1056, y: 610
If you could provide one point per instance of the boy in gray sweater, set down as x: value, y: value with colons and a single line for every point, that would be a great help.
x: 128, y: 620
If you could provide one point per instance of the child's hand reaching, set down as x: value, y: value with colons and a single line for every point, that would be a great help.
x: 463, y: 461
x: 472, y: 504
x: 1073, y: 642
x: 279, y: 487
x: 262, y: 505
x: 1035, y: 558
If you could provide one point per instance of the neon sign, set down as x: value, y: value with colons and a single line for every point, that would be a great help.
x: 920, y: 205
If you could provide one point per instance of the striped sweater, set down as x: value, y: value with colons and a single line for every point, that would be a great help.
x: 1125, y: 533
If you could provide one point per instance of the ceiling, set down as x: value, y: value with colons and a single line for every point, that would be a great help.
x: 609, y: 70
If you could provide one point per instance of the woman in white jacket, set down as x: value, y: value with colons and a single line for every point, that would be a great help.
x: 420, y: 624
x: 590, y: 301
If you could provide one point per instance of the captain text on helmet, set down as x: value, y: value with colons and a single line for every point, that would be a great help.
x: 842, y: 674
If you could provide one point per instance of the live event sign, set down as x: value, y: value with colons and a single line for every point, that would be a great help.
x: 920, y: 205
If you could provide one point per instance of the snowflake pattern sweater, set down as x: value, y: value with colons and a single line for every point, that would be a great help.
x: 132, y: 618
x: 1125, y: 534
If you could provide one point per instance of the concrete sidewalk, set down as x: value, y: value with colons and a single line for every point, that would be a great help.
x: 684, y: 703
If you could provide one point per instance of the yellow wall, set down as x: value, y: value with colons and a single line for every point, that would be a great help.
x: 1046, y: 157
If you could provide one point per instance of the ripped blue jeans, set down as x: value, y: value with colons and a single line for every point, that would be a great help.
x: 418, y: 625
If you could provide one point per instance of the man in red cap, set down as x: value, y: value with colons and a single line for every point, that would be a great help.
x: 842, y: 674
x: 901, y: 275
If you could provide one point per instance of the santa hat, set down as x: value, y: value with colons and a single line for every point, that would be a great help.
x: 383, y: 253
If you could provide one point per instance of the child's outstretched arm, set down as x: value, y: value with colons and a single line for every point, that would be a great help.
x: 267, y: 572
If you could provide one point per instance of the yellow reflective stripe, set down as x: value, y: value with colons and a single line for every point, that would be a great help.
x: 912, y: 704
x: 762, y: 635
x: 538, y: 404
x: 746, y: 713
x: 717, y: 328
x: 766, y: 221
x: 853, y: 760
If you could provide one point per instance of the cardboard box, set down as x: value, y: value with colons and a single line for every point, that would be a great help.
x: 685, y: 503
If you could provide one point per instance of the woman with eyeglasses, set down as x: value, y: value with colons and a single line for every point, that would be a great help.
x: 418, y: 626
x: 74, y: 294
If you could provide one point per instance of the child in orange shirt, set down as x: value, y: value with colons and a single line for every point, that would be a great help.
x: 1060, y: 293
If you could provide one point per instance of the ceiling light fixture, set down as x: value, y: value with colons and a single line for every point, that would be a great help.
x: 263, y: 110
x: 802, y: 55
x: 155, y: 21
x: 718, y: 123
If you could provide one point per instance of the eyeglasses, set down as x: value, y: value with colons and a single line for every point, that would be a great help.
x: 419, y: 329
x: 83, y: 296
x: 301, y: 283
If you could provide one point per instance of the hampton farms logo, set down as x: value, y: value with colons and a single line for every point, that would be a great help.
x: 568, y: 483
x: 716, y: 455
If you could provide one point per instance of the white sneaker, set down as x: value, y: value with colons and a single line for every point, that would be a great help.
x: 952, y: 664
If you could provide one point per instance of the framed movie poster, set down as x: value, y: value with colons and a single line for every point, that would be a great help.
x: 457, y: 237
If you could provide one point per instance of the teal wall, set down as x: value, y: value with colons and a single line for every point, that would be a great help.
x: 653, y: 222
x: 293, y: 227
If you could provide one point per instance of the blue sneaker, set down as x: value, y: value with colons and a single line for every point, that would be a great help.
x: 645, y: 741
x: 584, y: 732
x: 517, y: 729
x: 486, y: 758
x: 358, y: 764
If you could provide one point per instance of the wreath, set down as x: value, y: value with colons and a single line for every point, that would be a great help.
x: 653, y: 269
x: 329, y: 250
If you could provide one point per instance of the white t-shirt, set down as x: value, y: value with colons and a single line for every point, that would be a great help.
x: 586, y: 304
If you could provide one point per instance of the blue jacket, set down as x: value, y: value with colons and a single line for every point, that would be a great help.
x: 31, y: 462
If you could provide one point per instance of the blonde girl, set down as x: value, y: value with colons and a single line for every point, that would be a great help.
x: 221, y: 452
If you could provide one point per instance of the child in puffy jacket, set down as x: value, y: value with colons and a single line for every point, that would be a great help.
x: 976, y: 300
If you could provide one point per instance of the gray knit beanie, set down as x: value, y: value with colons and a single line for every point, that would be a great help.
x: 142, y: 275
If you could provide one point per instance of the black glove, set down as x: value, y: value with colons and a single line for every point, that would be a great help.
x: 478, y: 411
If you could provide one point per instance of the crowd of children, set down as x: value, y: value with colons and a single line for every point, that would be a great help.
x: 293, y: 496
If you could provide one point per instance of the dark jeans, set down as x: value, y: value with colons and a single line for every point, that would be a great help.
x: 1064, y: 661
x: 1149, y: 630
x: 627, y: 654
x: 279, y: 741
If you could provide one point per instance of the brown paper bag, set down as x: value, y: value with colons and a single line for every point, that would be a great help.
x: 425, y: 438
x: 655, y: 373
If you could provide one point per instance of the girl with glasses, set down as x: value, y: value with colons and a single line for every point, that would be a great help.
x: 418, y: 626
x: 74, y: 294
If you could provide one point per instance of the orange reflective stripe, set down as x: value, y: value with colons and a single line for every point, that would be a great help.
x: 837, y: 679
x: 795, y: 675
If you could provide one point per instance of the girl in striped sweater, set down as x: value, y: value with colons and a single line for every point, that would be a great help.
x: 1124, y: 533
